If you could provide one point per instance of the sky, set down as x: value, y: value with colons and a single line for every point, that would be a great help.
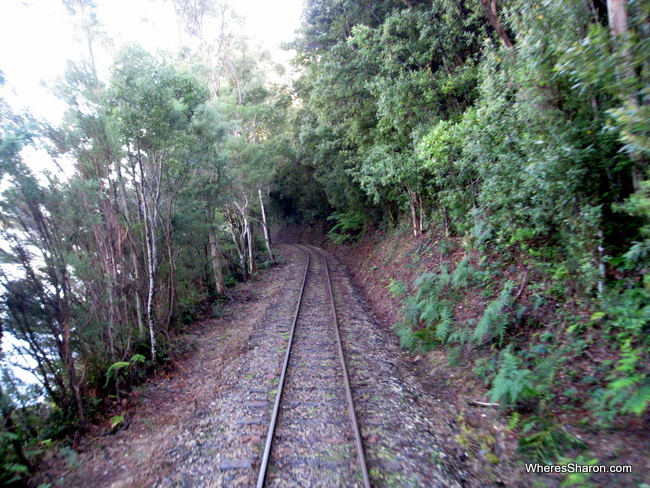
x: 37, y: 38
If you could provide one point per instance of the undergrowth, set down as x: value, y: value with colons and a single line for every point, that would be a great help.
x: 525, y: 332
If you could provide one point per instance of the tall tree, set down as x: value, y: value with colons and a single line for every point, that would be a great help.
x: 154, y: 104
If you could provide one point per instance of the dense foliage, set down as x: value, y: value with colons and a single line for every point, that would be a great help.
x: 519, y: 128
x: 153, y: 203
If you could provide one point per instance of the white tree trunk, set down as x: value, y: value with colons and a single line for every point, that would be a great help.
x: 265, y: 225
x: 150, y: 195
x: 248, y: 239
x: 617, y: 16
x: 151, y: 269
x: 415, y: 212
x: 238, y: 235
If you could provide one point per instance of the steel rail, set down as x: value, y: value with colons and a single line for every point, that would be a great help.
x: 348, y: 391
x: 278, y: 395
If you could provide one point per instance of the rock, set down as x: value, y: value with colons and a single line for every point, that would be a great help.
x: 236, y: 463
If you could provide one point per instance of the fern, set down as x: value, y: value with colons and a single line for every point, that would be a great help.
x: 512, y: 381
x: 464, y: 275
x: 628, y: 314
x: 410, y: 312
x: 117, y: 420
x: 631, y: 393
x: 405, y: 334
x: 404, y: 328
x: 350, y: 224
x: 114, y: 368
x: 138, y: 358
x: 494, y: 322
x: 637, y: 401
x: 546, y: 441
x: 514, y: 421
x: 432, y: 284
x: 458, y: 336
x: 443, y: 330
x: 433, y: 306
x: 638, y: 254
x: 397, y: 288
x: 426, y: 337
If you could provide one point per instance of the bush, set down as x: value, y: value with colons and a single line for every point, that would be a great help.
x: 494, y: 321
x: 512, y: 382
x: 629, y: 323
x: 349, y: 226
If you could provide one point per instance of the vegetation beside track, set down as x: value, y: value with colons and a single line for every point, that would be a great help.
x: 503, y: 330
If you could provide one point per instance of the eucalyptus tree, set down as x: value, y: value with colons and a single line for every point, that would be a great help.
x: 237, y: 75
x: 38, y: 304
x: 154, y: 103
x: 257, y: 112
x: 206, y: 189
x: 104, y: 262
x: 206, y: 33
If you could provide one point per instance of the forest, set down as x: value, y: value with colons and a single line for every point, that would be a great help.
x: 521, y: 128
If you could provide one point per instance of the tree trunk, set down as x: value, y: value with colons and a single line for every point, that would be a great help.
x: 420, y: 213
x: 246, y: 234
x: 148, y: 211
x: 72, y: 376
x: 617, y: 16
x: 237, y: 232
x: 171, y: 256
x: 132, y: 253
x: 265, y: 225
x: 602, y: 270
x: 415, y: 212
x: 150, y: 242
x: 216, y: 259
x: 619, y: 28
x: 491, y: 10
x: 249, y: 241
x: 446, y: 218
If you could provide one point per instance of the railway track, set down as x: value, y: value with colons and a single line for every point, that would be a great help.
x: 221, y: 441
x: 313, y: 403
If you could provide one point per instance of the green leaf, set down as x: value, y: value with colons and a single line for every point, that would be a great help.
x: 138, y: 358
x: 638, y: 401
x: 117, y: 420
x: 16, y: 468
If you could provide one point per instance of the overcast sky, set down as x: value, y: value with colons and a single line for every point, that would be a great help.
x: 37, y: 37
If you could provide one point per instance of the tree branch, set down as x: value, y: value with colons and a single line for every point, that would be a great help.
x: 490, y: 7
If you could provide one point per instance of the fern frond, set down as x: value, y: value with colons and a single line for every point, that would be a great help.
x: 463, y: 274
x: 493, y: 323
x: 638, y: 401
x: 512, y: 381
x: 444, y: 326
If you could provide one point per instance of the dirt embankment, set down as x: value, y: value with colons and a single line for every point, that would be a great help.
x: 481, y: 434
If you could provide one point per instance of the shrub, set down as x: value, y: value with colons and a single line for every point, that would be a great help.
x: 494, y: 321
x: 513, y: 382
x: 349, y: 226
